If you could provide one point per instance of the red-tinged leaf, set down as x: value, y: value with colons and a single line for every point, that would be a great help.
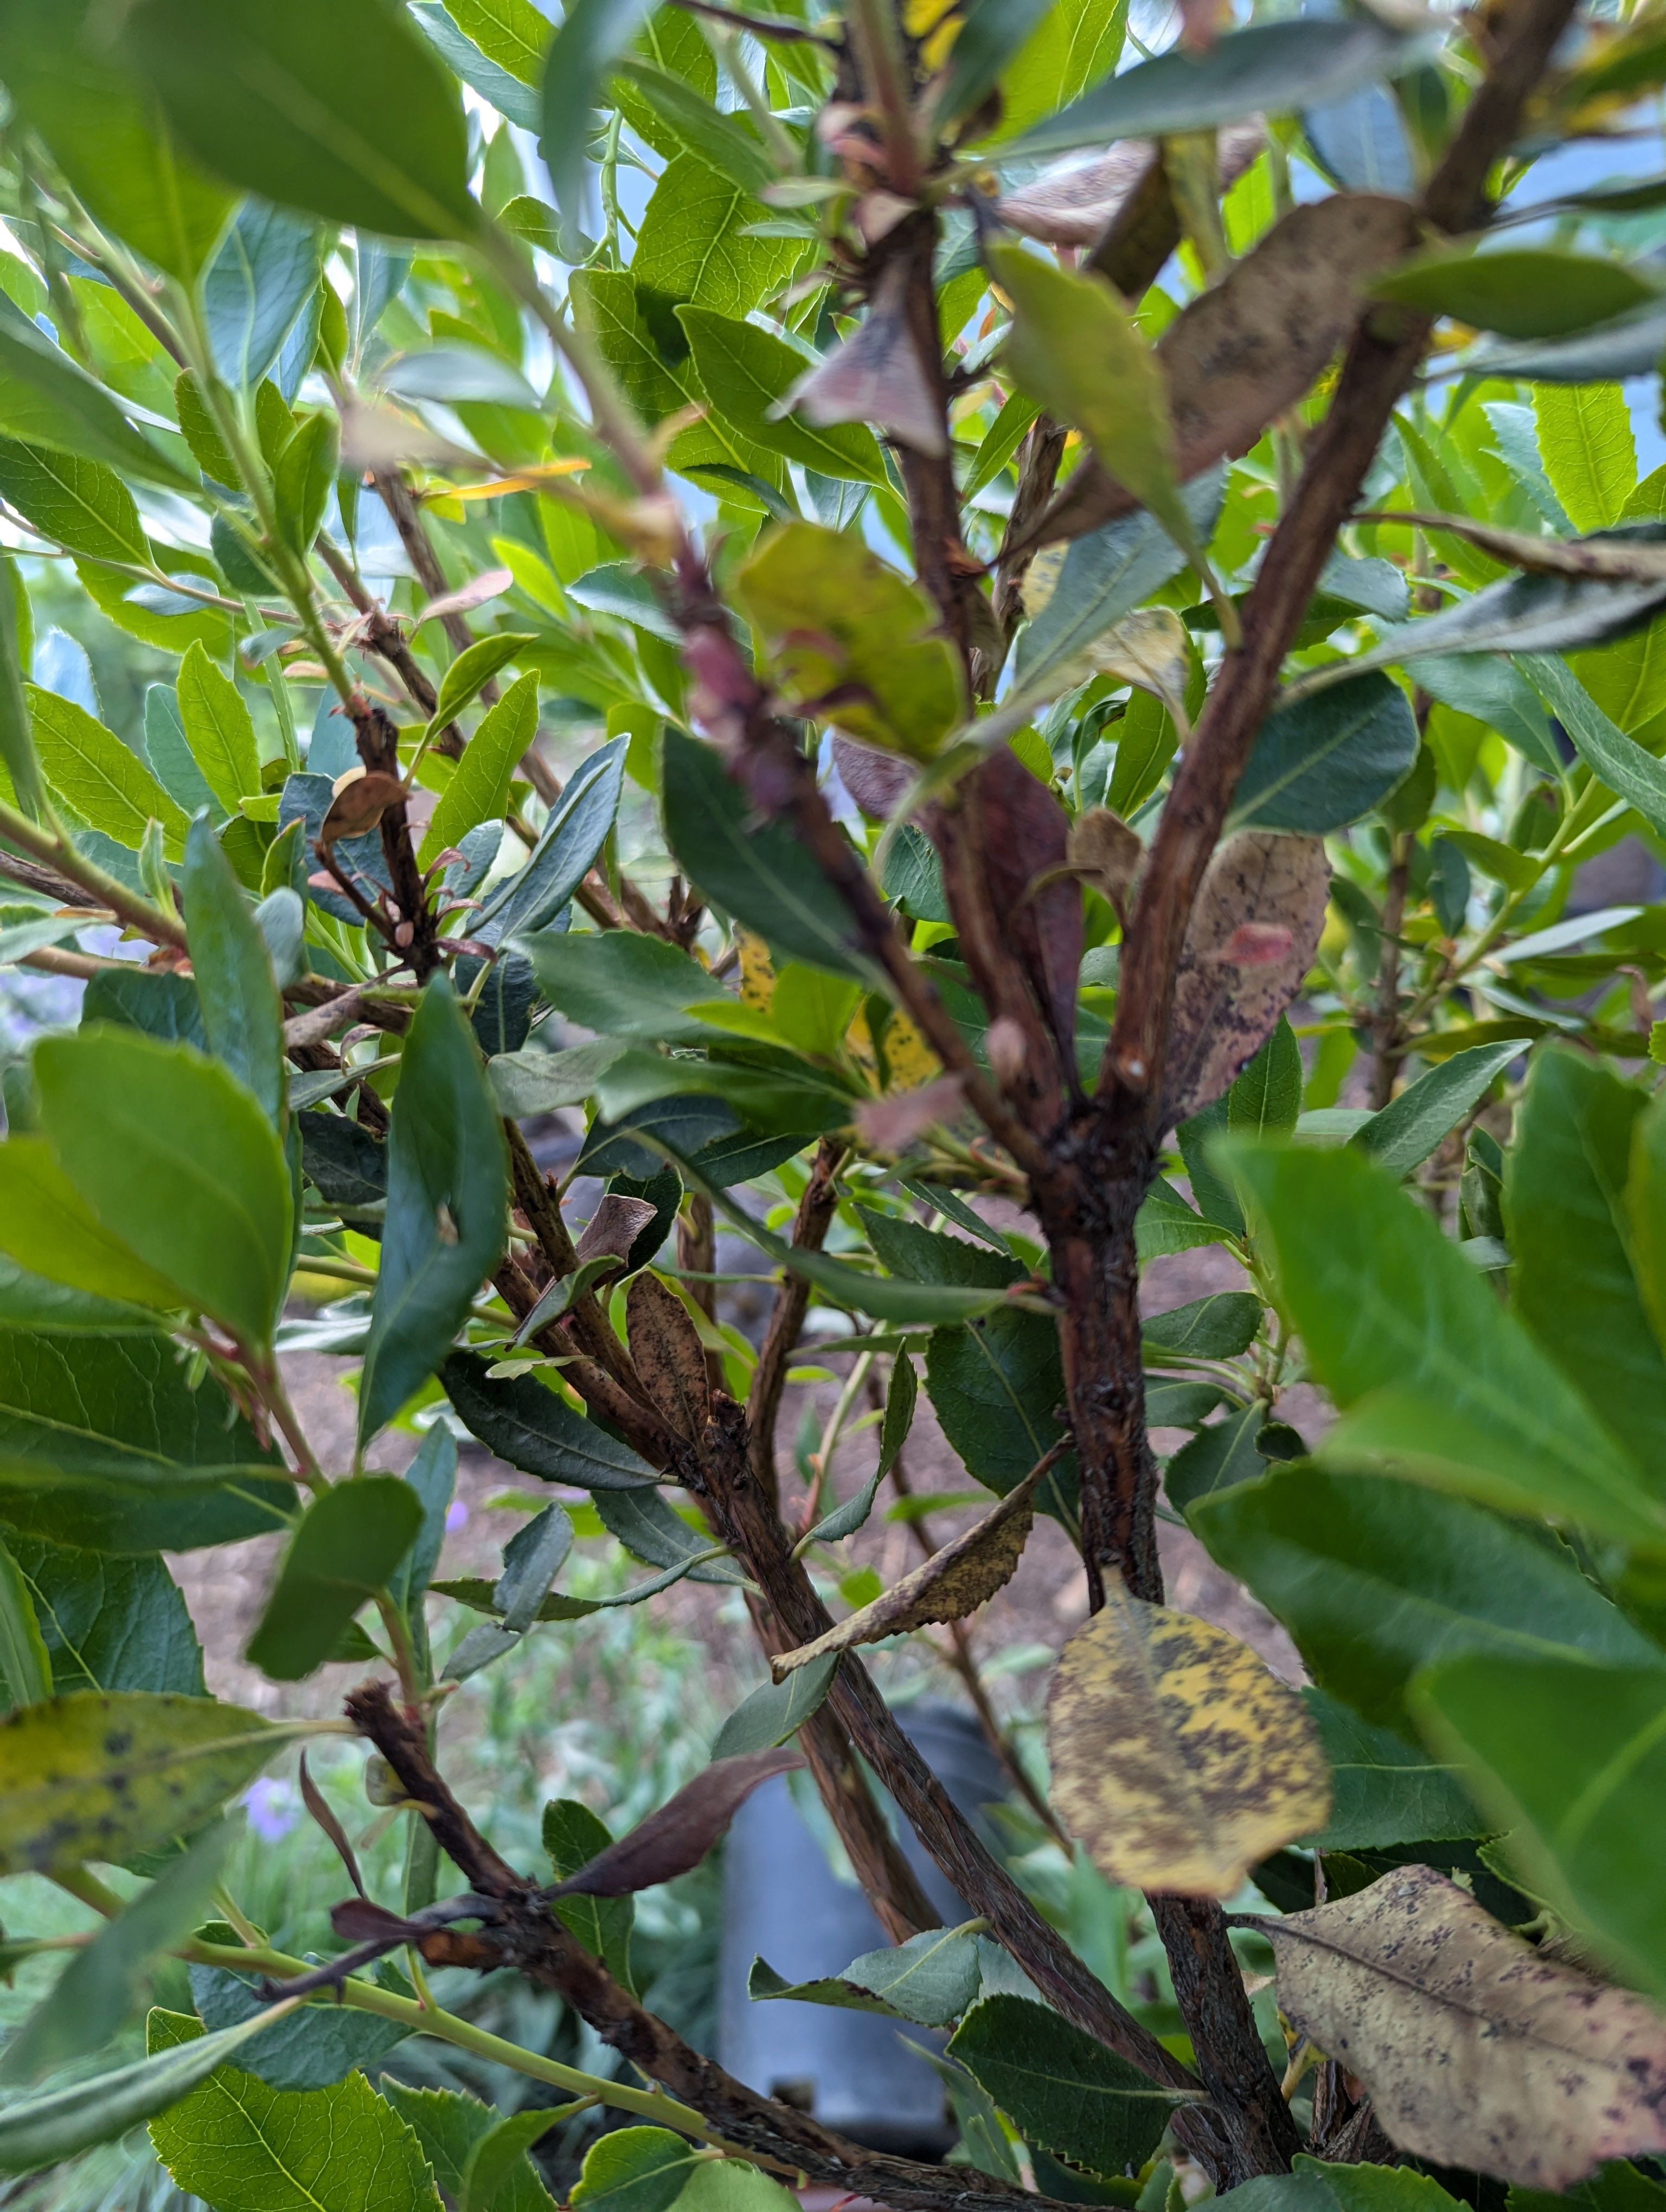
x: 1262, y: 892
x: 875, y: 779
x: 359, y: 804
x: 1243, y: 353
x: 679, y: 1835
x: 614, y: 1227
x: 318, y: 1805
x: 361, y: 1920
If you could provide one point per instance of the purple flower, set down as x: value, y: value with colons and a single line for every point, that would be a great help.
x: 457, y: 1516
x: 270, y: 1808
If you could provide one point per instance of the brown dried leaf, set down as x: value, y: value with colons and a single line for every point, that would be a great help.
x: 875, y: 779
x: 954, y: 1582
x: 1076, y: 202
x: 1476, y: 2050
x: 318, y: 1805
x: 1614, y: 560
x: 1240, y: 355
x: 1179, y: 1758
x: 679, y: 1835
x: 1225, y: 1004
x: 892, y: 1123
x: 1106, y: 852
x: 614, y: 1227
x: 359, y: 804
x: 876, y: 375
x: 668, y: 1353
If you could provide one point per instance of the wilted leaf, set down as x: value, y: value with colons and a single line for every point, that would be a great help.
x: 1242, y: 353
x: 614, y: 1227
x: 876, y: 375
x: 1475, y: 2049
x: 668, y: 1355
x: 1225, y: 1009
x: 1179, y: 1759
x: 952, y: 1583
x: 931, y: 1979
x: 679, y: 1835
x: 851, y: 641
x: 1617, y: 559
x: 108, y: 1777
x: 1074, y: 203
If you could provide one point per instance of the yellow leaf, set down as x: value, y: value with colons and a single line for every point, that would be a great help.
x: 1179, y: 1760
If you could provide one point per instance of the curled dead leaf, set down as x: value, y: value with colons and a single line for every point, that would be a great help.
x: 1105, y: 853
x: 1179, y: 1758
x: 679, y: 1835
x: 668, y: 1354
x: 1075, y: 202
x: 614, y: 1227
x: 1476, y: 2050
x: 1226, y: 1006
x: 952, y: 1583
x: 875, y: 779
x: 359, y: 804
x: 876, y: 375
x: 1241, y: 354
x: 490, y: 585
x: 1615, y: 560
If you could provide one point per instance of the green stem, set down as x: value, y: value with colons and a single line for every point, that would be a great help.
x: 79, y: 1883
x: 51, y: 847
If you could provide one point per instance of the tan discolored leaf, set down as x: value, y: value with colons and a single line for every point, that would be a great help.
x: 1237, y: 974
x: 614, y: 1227
x: 1076, y: 201
x: 1105, y: 853
x: 1477, y: 2049
x: 1613, y: 560
x: 679, y: 1835
x: 668, y: 1353
x: 361, y: 799
x: 876, y: 376
x: 1241, y: 354
x: 890, y: 1124
x: 952, y: 1583
x: 1179, y: 1759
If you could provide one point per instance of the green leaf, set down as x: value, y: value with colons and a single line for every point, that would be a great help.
x: 1059, y: 2087
x: 1572, y: 1763
x: 836, y: 619
x: 40, y: 2131
x: 272, y: 100
x: 593, y: 34
x: 1266, y: 1100
x: 177, y: 1160
x: 46, y: 400
x: 108, y: 136
x: 242, y: 1010
x: 514, y: 33
x: 104, y: 780
x: 634, y: 2170
x: 747, y: 373
x: 473, y: 668
x: 266, y: 271
x: 1166, y: 1224
x: 1316, y: 2186
x: 447, y: 1200
x: 48, y: 1227
x: 499, y: 2174
x: 1376, y: 1578
x: 522, y: 1422
x: 1219, y: 1457
x: 1076, y: 43
x: 1585, y: 431
x: 652, y: 1530
x: 1523, y: 292
x: 991, y: 34
x: 99, y: 1988
x: 464, y: 58
x: 305, y: 478
x: 572, y: 1836
x: 109, y: 1623
x: 1564, y: 1195
x: 1612, y: 758
x: 1536, y: 615
x: 931, y: 1979
x: 1441, y: 1383
x: 479, y: 787
x: 102, y: 1441
x: 81, y: 504
x: 1328, y: 759
x: 1270, y: 68
x: 453, y: 2130
x: 621, y: 983
x: 308, y: 2049
x: 777, y: 1711
x: 350, y: 1540
x: 729, y: 152
x: 28, y: 1671
x: 574, y: 831
x: 1074, y: 346
x: 94, y: 1776
x: 244, y: 2147
x: 19, y: 766
x: 994, y: 1386
x: 1403, y: 1134
x: 1106, y: 575
x: 432, y: 1476
x: 757, y: 872
x: 1222, y: 1326
x: 1385, y: 1792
